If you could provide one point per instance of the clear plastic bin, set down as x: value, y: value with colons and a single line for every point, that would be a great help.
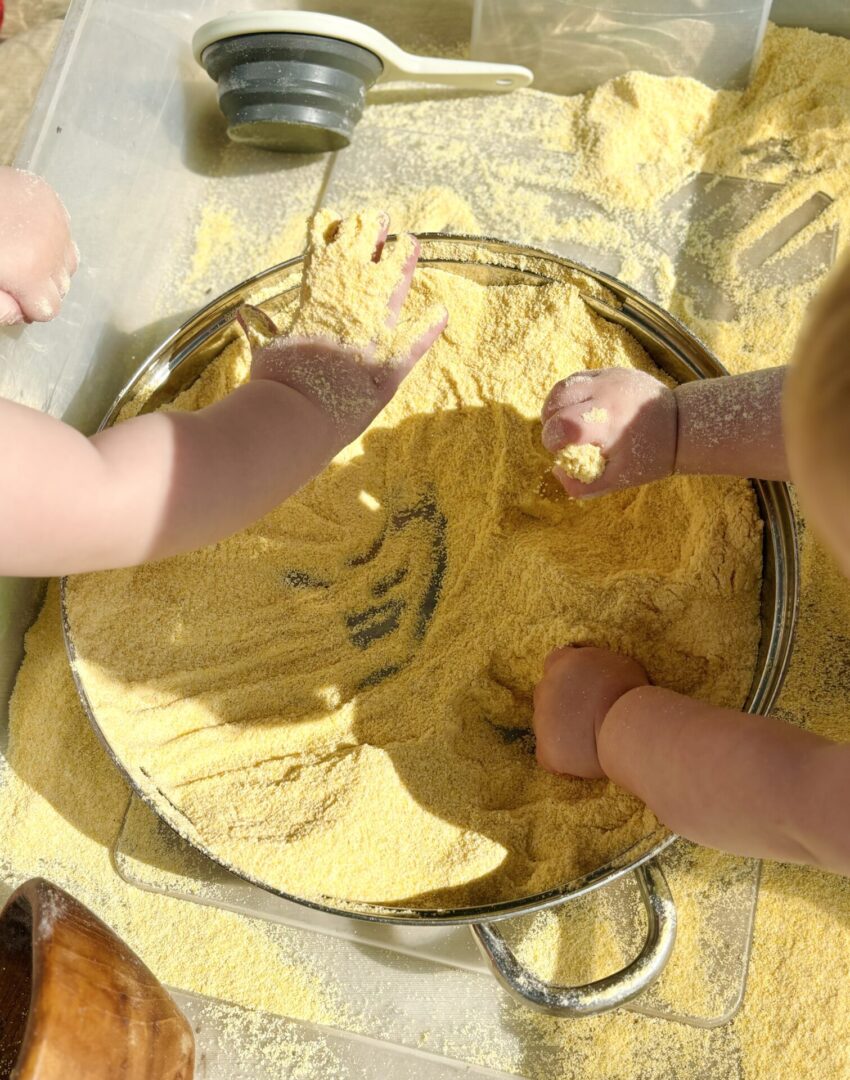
x: 572, y: 47
x: 127, y: 129
x: 825, y: 16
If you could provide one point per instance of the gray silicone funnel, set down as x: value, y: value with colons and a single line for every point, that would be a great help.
x: 296, y: 92
x: 297, y: 80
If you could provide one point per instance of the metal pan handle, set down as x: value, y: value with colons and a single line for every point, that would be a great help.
x: 604, y: 994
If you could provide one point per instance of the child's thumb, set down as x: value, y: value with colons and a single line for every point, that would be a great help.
x: 413, y: 338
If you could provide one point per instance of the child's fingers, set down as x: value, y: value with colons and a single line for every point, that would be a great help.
x: 578, y: 688
x: 10, y: 310
x: 406, y: 254
x: 573, y: 426
x: 422, y: 337
x: 72, y: 258
x: 49, y: 303
x: 565, y: 739
x: 568, y: 427
x: 428, y: 336
x: 40, y: 304
x: 381, y: 238
x: 577, y: 489
x: 62, y: 280
x: 572, y: 391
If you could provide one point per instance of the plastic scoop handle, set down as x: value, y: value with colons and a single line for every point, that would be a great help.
x: 465, y: 74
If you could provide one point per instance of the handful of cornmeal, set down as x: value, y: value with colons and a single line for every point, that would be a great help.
x: 348, y: 281
x: 337, y: 701
x: 584, y: 461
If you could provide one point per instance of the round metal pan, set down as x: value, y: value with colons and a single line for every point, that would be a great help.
x: 182, y: 357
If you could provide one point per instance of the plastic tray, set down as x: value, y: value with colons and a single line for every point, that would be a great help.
x: 721, y: 894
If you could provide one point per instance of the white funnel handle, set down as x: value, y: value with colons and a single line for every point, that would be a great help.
x: 398, y: 64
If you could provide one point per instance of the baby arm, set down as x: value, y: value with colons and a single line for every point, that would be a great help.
x: 153, y: 486
x: 727, y: 426
x: 170, y: 482
x: 751, y: 785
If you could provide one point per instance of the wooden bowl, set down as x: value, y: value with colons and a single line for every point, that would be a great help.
x: 76, y: 1003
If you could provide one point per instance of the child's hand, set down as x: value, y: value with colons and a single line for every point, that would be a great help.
x: 752, y: 785
x: 170, y: 482
x: 37, y: 255
x: 352, y: 383
x: 578, y: 687
x: 629, y: 415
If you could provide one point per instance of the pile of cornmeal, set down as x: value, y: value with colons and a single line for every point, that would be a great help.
x: 338, y: 700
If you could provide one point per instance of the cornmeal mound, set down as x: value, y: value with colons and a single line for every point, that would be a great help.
x: 337, y: 700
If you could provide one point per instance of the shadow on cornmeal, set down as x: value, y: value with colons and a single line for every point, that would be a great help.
x: 340, y: 697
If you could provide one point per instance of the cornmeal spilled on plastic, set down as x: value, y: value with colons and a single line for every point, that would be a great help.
x: 337, y: 701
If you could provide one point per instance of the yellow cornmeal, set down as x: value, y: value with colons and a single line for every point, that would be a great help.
x: 62, y: 801
x: 585, y: 462
x: 338, y: 700
x: 61, y: 820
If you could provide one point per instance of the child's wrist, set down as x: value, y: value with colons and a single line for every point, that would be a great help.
x: 613, y: 726
x: 324, y: 433
x: 811, y: 830
x: 689, y: 450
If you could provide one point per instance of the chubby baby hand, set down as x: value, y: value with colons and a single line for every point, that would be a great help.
x: 578, y: 687
x: 37, y: 255
x: 351, y: 344
x: 628, y: 415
